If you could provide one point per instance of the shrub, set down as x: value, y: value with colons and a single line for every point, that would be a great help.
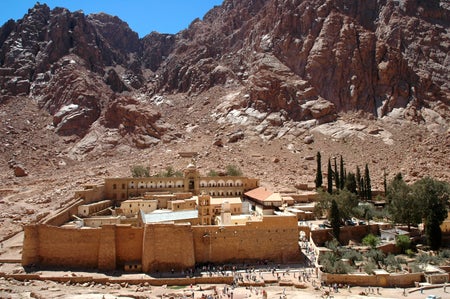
x: 332, y: 263
x: 371, y: 240
x: 392, y: 263
x: 212, y: 172
x: 369, y: 267
x: 233, y: 170
x: 445, y: 254
x: 375, y: 255
x: 352, y: 255
x: 139, y: 171
x: 169, y: 172
x: 403, y: 242
x: 409, y: 252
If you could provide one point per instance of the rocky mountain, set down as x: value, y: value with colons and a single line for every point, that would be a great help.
x: 261, y: 84
x: 303, y: 59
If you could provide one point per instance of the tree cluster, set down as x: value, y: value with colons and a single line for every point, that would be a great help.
x: 425, y: 201
x: 342, y: 179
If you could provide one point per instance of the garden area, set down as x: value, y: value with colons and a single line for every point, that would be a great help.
x: 368, y: 258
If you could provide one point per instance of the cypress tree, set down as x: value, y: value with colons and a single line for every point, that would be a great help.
x: 358, y: 180
x: 335, y: 219
x: 330, y: 178
x: 319, y: 181
x: 342, y: 174
x: 336, y: 175
x: 368, y: 186
x: 350, y: 182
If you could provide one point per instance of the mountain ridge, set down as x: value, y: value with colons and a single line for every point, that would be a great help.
x: 260, y: 84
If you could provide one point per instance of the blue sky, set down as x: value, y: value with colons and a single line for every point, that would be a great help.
x: 143, y: 16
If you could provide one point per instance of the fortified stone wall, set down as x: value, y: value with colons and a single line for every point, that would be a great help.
x: 128, y: 244
x: 106, y: 248
x: 161, y: 247
x: 71, y: 248
x: 168, y: 246
x: 274, y: 239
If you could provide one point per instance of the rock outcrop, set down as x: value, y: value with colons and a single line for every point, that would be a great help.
x: 301, y: 60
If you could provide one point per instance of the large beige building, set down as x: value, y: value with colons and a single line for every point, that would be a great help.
x: 120, y: 189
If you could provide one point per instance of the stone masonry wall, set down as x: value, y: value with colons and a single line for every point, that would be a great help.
x: 274, y: 239
x: 71, y: 248
x: 161, y: 247
x: 168, y: 246
x: 129, y: 242
x: 347, y: 233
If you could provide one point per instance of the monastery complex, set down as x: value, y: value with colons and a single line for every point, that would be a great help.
x: 153, y: 224
x: 167, y: 224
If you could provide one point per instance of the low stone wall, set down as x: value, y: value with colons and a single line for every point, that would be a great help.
x: 347, y: 233
x: 381, y: 280
x: 129, y: 280
x: 64, y: 215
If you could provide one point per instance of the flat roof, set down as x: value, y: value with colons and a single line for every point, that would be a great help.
x: 168, y: 215
x: 220, y: 200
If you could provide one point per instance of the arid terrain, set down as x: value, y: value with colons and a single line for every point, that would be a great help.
x: 263, y: 85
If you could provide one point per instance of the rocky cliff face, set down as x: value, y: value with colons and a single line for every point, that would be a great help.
x: 298, y: 60
x: 358, y: 55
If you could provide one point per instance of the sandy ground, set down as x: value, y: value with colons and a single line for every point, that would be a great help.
x: 49, y: 289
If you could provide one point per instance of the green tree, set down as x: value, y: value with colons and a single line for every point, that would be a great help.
x: 371, y: 240
x: 336, y: 175
x: 375, y: 255
x: 359, y: 180
x: 318, y: 180
x: 233, y: 170
x: 323, y: 203
x: 347, y: 203
x: 392, y: 263
x: 332, y: 263
x: 139, y: 171
x: 367, y: 184
x: 403, y: 242
x: 335, y: 219
x: 169, y: 172
x: 342, y: 174
x: 350, y: 182
x: 434, y: 196
x: 403, y: 207
x: 329, y: 178
x: 366, y: 211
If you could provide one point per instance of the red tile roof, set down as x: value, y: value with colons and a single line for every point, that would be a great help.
x: 263, y: 195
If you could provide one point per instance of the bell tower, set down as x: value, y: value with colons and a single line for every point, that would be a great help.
x: 204, y: 209
x: 192, y: 179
